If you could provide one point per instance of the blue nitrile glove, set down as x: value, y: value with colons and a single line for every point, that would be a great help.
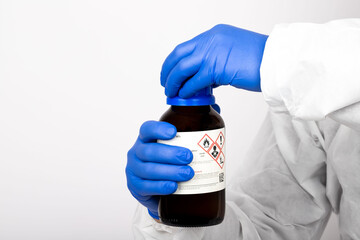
x: 221, y: 56
x: 154, y: 169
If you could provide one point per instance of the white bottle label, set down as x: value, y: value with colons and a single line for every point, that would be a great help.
x: 208, y: 148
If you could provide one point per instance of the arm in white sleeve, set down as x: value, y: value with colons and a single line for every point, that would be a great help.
x: 313, y: 70
x: 278, y: 193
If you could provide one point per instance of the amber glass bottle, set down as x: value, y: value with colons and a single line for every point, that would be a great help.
x: 200, y: 201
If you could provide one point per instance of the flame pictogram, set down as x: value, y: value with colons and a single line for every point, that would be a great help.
x: 206, y: 143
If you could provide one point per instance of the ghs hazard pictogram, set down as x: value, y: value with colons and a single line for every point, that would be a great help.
x: 214, y: 148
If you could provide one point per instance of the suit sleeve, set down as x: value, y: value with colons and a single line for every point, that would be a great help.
x: 312, y: 71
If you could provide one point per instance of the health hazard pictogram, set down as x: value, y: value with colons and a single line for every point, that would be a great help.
x: 214, y: 149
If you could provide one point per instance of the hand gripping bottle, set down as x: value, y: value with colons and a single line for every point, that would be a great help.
x: 200, y: 201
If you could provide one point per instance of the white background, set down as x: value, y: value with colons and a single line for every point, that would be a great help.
x: 77, y: 79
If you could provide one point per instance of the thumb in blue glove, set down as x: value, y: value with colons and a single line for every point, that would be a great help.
x: 224, y: 55
x: 153, y: 169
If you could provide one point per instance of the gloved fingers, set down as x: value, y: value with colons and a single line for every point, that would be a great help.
x: 140, y: 198
x: 162, y: 153
x: 181, y: 51
x: 159, y: 171
x: 153, y: 130
x: 147, y: 201
x: 144, y: 187
x: 184, y: 69
x: 200, y: 80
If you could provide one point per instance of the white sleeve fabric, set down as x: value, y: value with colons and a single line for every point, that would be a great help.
x: 313, y: 70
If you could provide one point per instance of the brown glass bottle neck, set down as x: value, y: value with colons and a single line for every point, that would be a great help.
x: 191, y: 109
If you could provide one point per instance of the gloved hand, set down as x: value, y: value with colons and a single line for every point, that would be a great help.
x: 221, y: 56
x: 154, y: 169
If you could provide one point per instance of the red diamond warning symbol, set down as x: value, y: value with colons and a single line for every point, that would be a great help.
x: 205, y: 142
x: 214, y: 149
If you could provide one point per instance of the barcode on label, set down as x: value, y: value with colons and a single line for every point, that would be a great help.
x: 221, y: 177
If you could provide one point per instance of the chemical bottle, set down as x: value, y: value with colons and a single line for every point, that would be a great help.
x: 200, y: 201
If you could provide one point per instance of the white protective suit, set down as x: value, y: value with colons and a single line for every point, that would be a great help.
x: 305, y: 161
